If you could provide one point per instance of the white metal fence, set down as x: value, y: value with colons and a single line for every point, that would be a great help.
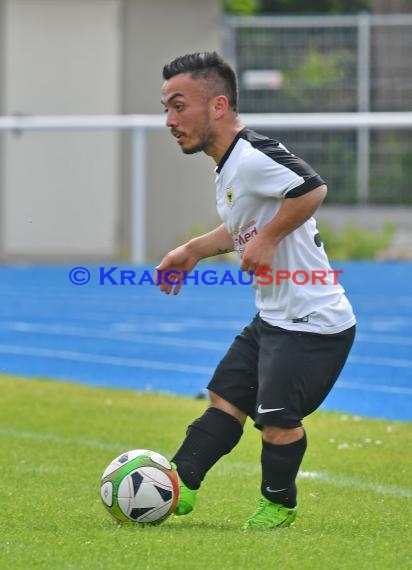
x: 316, y: 64
x: 139, y: 125
x: 323, y: 63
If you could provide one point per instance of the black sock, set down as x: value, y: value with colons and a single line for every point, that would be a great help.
x: 207, y: 439
x: 280, y: 465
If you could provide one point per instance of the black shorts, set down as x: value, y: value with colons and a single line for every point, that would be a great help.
x: 277, y: 376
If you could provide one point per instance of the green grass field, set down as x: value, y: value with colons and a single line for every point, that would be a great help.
x: 57, y: 438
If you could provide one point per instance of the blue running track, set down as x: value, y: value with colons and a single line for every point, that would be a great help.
x: 134, y: 337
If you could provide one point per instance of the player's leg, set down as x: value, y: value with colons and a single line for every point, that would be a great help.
x: 208, y: 438
x: 296, y: 372
x: 232, y: 392
x: 282, y: 453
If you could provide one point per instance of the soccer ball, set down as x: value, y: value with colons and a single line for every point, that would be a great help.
x: 140, y: 486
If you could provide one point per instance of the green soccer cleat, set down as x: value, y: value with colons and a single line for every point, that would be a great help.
x: 270, y: 515
x: 187, y: 499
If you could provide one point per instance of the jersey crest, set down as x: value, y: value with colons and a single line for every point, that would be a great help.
x: 229, y: 197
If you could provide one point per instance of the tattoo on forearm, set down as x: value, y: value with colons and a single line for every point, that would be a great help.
x: 221, y: 251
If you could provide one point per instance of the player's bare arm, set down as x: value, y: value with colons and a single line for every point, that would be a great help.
x: 293, y: 213
x: 213, y: 243
x: 185, y: 257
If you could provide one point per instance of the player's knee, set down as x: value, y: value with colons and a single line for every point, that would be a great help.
x: 281, y: 436
x: 222, y: 404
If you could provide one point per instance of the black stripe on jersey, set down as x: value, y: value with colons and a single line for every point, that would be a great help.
x: 307, y: 186
x: 274, y: 150
x: 229, y: 150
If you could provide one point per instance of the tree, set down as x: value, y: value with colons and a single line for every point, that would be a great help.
x: 295, y: 6
x: 241, y: 7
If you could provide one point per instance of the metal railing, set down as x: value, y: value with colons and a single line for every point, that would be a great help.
x: 140, y: 124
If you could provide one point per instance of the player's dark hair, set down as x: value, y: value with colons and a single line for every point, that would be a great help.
x: 206, y: 65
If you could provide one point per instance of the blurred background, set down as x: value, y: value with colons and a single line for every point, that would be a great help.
x: 68, y: 194
x: 89, y: 175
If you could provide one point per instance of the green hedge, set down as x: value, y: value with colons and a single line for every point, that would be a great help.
x: 355, y: 243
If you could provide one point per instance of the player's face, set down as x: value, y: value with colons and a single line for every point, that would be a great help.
x: 189, y: 112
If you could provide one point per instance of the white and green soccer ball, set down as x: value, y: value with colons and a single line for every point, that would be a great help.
x: 140, y: 486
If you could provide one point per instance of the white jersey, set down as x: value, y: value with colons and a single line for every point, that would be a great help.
x: 253, y: 177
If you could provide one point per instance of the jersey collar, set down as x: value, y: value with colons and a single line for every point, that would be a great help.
x: 229, y: 150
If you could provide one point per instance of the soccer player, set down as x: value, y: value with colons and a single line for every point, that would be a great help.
x: 282, y: 365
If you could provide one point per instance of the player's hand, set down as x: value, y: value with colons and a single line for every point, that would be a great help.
x: 258, y: 253
x: 180, y: 261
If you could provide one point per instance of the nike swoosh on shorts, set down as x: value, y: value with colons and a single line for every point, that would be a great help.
x: 266, y: 410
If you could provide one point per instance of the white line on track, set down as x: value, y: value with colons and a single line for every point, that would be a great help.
x: 374, y: 388
x: 100, y: 359
x: 384, y: 339
x: 225, y: 467
x: 159, y: 365
x: 144, y: 324
x: 118, y: 335
x: 128, y: 335
x: 381, y: 361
